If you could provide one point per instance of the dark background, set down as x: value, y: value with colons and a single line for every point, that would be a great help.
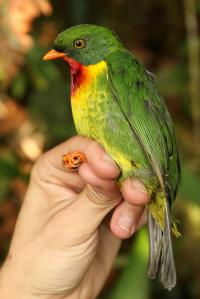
x: 35, y: 114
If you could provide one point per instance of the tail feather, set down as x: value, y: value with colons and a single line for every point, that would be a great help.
x: 161, y: 259
x: 155, y: 238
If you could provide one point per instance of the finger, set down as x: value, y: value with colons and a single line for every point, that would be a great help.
x: 125, y: 219
x: 100, y: 162
x: 86, y: 213
x: 96, y: 156
x: 89, y: 177
x: 143, y: 219
x: 54, y: 156
x: 49, y: 169
x: 134, y: 192
x: 99, y: 197
x: 127, y: 216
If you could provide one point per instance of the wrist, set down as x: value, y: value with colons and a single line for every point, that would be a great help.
x: 11, y: 287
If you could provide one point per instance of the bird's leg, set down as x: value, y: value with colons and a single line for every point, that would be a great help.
x: 73, y: 160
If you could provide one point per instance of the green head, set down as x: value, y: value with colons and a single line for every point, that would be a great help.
x: 87, y: 44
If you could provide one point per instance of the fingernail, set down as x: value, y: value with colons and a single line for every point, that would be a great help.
x: 126, y: 223
x: 136, y: 185
x: 108, y: 159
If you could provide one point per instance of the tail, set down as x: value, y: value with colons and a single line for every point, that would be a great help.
x: 161, y: 259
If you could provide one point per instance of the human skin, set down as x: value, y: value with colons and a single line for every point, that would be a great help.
x: 70, y: 226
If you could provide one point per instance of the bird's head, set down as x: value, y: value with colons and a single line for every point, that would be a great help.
x: 86, y: 44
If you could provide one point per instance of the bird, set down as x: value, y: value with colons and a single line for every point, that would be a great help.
x: 116, y: 102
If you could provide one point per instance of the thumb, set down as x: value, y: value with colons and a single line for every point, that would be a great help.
x: 81, y: 219
x: 92, y: 205
x: 101, y: 193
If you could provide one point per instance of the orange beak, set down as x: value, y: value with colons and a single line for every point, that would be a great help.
x: 53, y: 54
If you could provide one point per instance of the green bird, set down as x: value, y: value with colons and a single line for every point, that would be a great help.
x: 115, y: 101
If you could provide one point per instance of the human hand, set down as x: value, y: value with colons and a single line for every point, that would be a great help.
x: 62, y: 245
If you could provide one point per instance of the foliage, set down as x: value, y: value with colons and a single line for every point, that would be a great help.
x: 138, y: 288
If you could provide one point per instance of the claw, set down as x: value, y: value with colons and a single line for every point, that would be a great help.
x: 73, y: 160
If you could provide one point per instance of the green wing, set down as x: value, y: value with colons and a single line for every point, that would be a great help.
x: 135, y: 91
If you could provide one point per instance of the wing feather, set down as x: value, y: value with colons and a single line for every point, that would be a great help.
x: 148, y: 118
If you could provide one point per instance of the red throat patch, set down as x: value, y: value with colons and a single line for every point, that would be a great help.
x: 78, y: 73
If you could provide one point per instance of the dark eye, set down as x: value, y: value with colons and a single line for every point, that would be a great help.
x: 79, y: 43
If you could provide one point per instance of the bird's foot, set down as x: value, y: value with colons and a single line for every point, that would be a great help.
x: 73, y: 160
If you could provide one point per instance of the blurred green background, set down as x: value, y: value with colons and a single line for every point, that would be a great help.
x: 35, y: 114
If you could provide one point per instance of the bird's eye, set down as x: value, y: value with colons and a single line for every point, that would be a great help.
x: 79, y: 43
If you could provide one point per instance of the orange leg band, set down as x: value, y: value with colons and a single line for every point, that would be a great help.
x: 73, y: 160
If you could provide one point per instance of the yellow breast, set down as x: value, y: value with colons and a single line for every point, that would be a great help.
x: 85, y: 96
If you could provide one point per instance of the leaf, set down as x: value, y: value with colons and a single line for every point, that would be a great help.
x: 8, y: 170
x: 133, y: 282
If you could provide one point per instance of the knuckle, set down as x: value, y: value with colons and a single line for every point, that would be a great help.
x: 102, y: 199
x: 37, y: 171
x: 94, y: 147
